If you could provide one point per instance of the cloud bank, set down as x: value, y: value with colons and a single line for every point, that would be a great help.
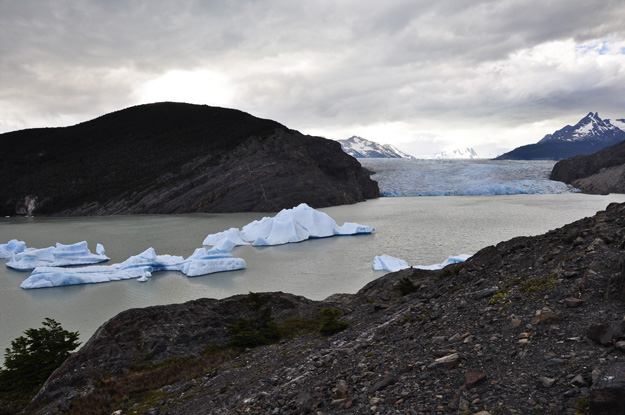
x: 421, y: 75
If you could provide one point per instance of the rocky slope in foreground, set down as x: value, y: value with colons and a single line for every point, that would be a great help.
x: 599, y: 173
x: 533, y: 325
x: 174, y: 158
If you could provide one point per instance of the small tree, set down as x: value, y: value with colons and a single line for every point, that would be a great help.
x: 330, y: 323
x: 32, y: 359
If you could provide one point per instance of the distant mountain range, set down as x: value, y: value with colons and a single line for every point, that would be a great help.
x: 460, y: 153
x: 360, y: 148
x: 588, y: 136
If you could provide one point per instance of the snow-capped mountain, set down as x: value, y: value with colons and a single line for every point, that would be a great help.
x: 588, y: 136
x: 589, y: 128
x: 360, y: 148
x: 620, y: 123
x: 459, y: 153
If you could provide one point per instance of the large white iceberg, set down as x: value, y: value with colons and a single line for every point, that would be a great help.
x: 140, y: 266
x: 12, y: 247
x: 288, y: 226
x: 392, y: 264
x: 56, y: 256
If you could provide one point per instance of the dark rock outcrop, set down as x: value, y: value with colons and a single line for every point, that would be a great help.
x: 493, y: 334
x: 599, y: 173
x: 174, y: 158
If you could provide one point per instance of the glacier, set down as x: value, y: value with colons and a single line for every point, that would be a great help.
x: 140, y: 266
x: 288, y: 226
x: 59, y: 255
x: 392, y: 264
x: 401, y: 177
x: 12, y: 247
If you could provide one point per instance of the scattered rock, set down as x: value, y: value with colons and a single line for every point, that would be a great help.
x: 547, y: 382
x: 445, y: 362
x: 600, y: 333
x: 473, y: 379
x: 573, y: 302
x: 548, y: 316
x: 607, y: 395
x: 486, y: 292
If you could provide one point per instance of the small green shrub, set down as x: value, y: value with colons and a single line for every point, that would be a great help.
x: 406, y: 286
x: 329, y: 322
x: 547, y: 282
x: 251, y: 333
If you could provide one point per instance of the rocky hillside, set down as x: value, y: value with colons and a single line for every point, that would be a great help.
x: 533, y: 325
x: 599, y: 173
x: 174, y: 158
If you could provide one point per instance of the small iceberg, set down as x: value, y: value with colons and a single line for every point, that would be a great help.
x: 56, y: 256
x: 140, y: 266
x: 392, y: 264
x: 205, y: 261
x: 451, y: 260
x: 389, y: 263
x: 12, y: 247
x: 288, y: 226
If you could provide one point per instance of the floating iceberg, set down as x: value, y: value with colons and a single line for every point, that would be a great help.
x: 392, y: 264
x: 56, y: 256
x: 12, y: 247
x: 389, y: 263
x: 288, y: 226
x: 233, y: 235
x: 451, y: 260
x: 139, y: 266
x: 205, y: 261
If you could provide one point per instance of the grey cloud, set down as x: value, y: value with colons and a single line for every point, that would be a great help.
x: 370, y: 61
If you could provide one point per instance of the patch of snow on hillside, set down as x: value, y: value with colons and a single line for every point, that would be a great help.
x: 620, y: 124
x: 400, y: 177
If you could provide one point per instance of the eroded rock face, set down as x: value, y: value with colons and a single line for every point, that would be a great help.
x: 599, y: 173
x: 468, y: 339
x: 175, y: 158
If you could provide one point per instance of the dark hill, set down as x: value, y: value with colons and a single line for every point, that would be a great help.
x: 599, y: 173
x: 173, y: 158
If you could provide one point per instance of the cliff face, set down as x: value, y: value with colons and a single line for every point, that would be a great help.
x: 174, y: 158
x: 599, y: 173
x: 531, y: 325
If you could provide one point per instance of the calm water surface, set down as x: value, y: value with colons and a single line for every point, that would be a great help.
x: 422, y: 231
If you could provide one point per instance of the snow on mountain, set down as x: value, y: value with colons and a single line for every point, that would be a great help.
x: 589, y: 128
x: 588, y: 136
x: 460, y: 153
x: 620, y: 123
x: 360, y: 148
x: 400, y: 177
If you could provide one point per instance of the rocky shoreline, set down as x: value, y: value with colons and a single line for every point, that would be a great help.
x: 530, y: 326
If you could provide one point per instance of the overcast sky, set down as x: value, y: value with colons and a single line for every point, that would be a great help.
x: 422, y: 75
